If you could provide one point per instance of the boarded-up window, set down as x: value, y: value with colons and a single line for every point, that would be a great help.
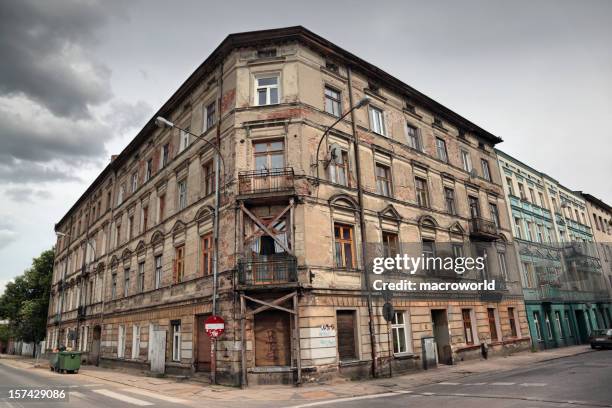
x: 272, y: 338
x: 346, y: 335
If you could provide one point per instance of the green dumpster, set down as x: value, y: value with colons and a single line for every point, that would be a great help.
x: 69, y: 361
x: 53, y: 361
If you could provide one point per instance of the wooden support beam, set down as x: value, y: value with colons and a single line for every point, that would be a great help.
x: 243, y: 362
x: 265, y: 229
x: 271, y: 305
x: 298, y: 349
x: 274, y: 221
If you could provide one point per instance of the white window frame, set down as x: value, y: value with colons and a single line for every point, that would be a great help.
x: 184, y: 139
x: 135, y: 341
x: 395, y: 332
x: 335, y: 101
x: 377, y: 120
x: 548, y: 326
x: 163, y: 161
x: 176, y: 342
x: 158, y: 271
x: 121, y: 342
x: 558, y: 323
x: 503, y: 266
x: 182, y: 194
x: 538, y: 326
x: 466, y: 160
x: 267, y: 88
x: 486, y: 170
x: 441, y: 150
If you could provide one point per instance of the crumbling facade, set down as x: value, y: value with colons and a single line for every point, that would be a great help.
x: 136, y: 252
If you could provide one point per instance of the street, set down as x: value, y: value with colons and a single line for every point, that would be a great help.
x: 578, y: 380
x: 81, y: 393
x: 582, y: 380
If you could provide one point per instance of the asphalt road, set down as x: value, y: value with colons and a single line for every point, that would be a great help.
x: 81, y: 393
x: 581, y: 381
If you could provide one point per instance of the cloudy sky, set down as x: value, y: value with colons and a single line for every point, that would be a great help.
x: 79, y: 78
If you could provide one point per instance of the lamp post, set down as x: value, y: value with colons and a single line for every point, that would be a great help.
x: 364, y: 101
x: 165, y: 123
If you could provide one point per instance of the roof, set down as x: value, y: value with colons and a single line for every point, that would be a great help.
x: 286, y: 34
x: 596, y: 201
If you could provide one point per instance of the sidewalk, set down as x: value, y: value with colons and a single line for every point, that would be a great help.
x: 311, y: 392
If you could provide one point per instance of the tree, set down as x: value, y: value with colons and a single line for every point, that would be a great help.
x: 25, y: 301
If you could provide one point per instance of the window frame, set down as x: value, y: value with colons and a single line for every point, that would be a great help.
x: 468, y: 327
x: 449, y: 201
x: 376, y: 121
x: 176, y: 340
x: 140, y: 279
x: 158, y: 271
x: 385, y: 181
x: 179, y: 264
x: 206, y: 254
x: 267, y: 88
x: 335, y: 169
x: 413, y: 137
x: 422, y: 194
x: 396, y: 328
x: 210, y: 111
x: 486, y: 169
x: 181, y: 188
x: 335, y: 102
x: 340, y: 242
x: 466, y: 160
x: 441, y: 150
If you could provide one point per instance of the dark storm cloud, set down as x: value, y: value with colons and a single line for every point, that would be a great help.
x: 44, y: 47
x: 17, y: 172
x: 26, y: 194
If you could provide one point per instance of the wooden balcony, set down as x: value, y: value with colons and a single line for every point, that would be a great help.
x: 266, y: 184
x: 483, y: 230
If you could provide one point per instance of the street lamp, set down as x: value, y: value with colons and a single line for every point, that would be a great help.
x: 363, y: 102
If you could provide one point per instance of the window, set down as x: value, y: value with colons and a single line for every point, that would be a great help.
x: 184, y: 139
x: 429, y: 251
x: 542, y: 202
x: 377, y: 121
x: 555, y: 206
x: 209, y: 177
x: 532, y: 196
x: 141, y: 277
x: 266, y: 90
x: 522, y: 191
x: 383, y: 180
x: 492, y: 323
x: 130, y: 227
x: 529, y: 231
x: 332, y: 101
x: 269, y: 155
x: 345, y: 248
x: 474, y: 206
x: 540, y: 233
x: 567, y: 323
x: 401, y: 340
x: 108, y: 200
x: 179, y: 264
x: 134, y: 182
x: 209, y: 116
x: 510, y: 189
x: 121, y: 342
x: 449, y: 198
x: 144, y: 219
x: 114, y: 286
x: 390, y: 244
x: 121, y: 194
x: 486, y: 173
x: 206, y: 245
x: 182, y: 194
x: 501, y: 256
x: 512, y: 320
x: 468, y: 333
x: 135, y: 342
x: 148, y: 170
x: 158, y: 271
x: 339, y: 169
x: 126, y: 282
x: 466, y: 160
x: 441, y: 149
x: 558, y: 323
x: 414, y: 139
x: 517, y: 226
x: 161, y: 213
x: 118, y: 235
x: 548, y: 326
x: 164, y: 156
x: 494, y: 214
x: 176, y: 340
x: 422, y: 195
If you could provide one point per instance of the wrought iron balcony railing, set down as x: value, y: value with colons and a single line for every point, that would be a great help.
x: 265, y: 181
x: 267, y: 270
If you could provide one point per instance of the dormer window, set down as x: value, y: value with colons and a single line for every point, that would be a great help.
x: 266, y: 53
x: 438, y: 122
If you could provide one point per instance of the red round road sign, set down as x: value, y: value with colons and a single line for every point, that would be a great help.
x: 214, y: 326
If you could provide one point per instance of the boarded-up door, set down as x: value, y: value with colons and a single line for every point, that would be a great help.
x: 272, y: 338
x: 346, y: 334
x: 203, y: 361
x: 158, y: 351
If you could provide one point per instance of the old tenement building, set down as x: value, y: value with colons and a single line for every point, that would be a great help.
x: 135, y: 253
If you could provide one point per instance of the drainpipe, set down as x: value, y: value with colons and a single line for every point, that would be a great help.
x: 362, y: 228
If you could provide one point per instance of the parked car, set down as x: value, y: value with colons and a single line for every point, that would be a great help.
x: 601, y: 338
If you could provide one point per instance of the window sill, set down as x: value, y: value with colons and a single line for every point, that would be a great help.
x: 405, y: 356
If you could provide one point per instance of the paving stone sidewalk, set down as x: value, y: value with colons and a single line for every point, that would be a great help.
x: 309, y: 392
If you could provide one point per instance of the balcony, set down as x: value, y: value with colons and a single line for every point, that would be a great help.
x: 482, y: 229
x: 266, y: 271
x: 497, y: 293
x: 266, y: 183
